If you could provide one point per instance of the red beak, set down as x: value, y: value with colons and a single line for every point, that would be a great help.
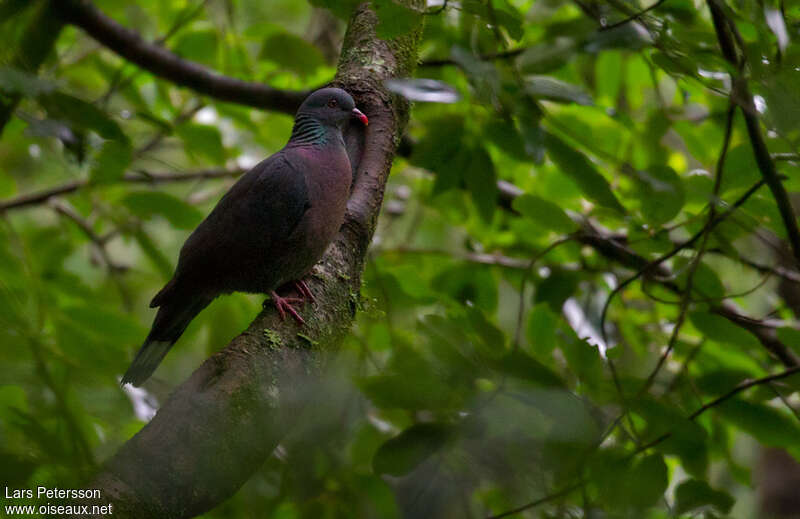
x: 361, y: 117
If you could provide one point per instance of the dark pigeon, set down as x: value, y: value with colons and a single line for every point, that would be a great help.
x: 269, y: 230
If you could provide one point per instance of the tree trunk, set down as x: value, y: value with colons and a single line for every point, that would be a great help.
x: 218, y: 427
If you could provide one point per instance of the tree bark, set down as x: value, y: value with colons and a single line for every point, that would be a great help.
x: 219, y: 426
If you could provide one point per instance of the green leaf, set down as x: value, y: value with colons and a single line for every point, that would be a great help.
x: 661, y: 194
x: 199, y: 45
x: 503, y: 14
x: 545, y: 87
x: 576, y: 166
x: 154, y: 254
x: 291, y: 53
x: 556, y: 288
x: 630, y: 36
x: 741, y: 170
x: 521, y: 365
x: 481, y: 181
x: 541, y: 329
x: 401, y: 454
x: 721, y: 330
x: 82, y: 115
x: 546, y: 57
x: 648, y: 481
x: 148, y: 203
x: 696, y: 496
x: 688, y: 440
x: 112, y: 327
x: 341, y: 8
x: 19, y: 82
x: 783, y: 102
x: 111, y: 162
x: 10, y: 8
x: 202, y: 140
x: 768, y: 425
x: 395, y: 19
x: 545, y: 213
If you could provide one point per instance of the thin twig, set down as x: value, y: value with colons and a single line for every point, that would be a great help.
x: 99, y: 244
x: 633, y: 17
x: 723, y: 398
x: 546, y: 499
x: 143, y: 177
x: 693, y: 266
x: 730, y: 41
x: 710, y: 225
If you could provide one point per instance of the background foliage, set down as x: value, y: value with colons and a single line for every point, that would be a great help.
x: 500, y: 356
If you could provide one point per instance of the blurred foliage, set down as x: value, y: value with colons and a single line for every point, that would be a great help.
x: 476, y: 378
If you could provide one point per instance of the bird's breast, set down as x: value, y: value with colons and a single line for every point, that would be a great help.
x: 328, y: 183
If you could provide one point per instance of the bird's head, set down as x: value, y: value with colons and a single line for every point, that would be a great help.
x: 331, y: 106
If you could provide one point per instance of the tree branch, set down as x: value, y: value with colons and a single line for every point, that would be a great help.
x: 727, y: 37
x: 163, y: 63
x: 142, y: 177
x: 220, y: 425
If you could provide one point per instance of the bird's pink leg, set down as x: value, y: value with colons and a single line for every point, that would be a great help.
x: 284, y: 304
x: 304, y: 291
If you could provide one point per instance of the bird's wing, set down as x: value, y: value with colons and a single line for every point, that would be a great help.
x: 259, y: 211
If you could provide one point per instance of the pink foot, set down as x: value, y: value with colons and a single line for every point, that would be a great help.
x: 284, y: 305
x: 304, y: 291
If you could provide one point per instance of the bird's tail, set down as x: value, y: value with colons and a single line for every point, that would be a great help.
x: 171, y: 320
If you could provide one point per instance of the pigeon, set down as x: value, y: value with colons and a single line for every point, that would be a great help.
x: 266, y: 232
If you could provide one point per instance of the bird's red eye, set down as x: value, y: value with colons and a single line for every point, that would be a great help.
x: 332, y: 103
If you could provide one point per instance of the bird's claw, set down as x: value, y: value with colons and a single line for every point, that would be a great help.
x: 304, y: 291
x: 284, y: 305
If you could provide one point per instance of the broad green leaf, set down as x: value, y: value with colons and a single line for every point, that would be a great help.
x: 545, y: 213
x: 481, y: 181
x: 696, y: 496
x: 661, y: 194
x: 688, y: 440
x: 111, y: 162
x: 541, y: 329
x: 19, y: 82
x: 202, y: 140
x: 783, y: 102
x: 630, y: 36
x: 722, y: 330
x: 401, y: 454
x: 576, y: 166
x: 395, y: 19
x: 82, y: 115
x: 341, y: 8
x: 198, y: 45
x: 552, y: 89
x: 520, y: 365
x: 768, y: 425
x: 503, y: 14
x: 546, y: 57
x: 154, y: 254
x: 148, y: 203
x: 556, y: 288
x: 648, y: 481
x: 291, y: 53
x: 741, y: 170
x: 790, y: 337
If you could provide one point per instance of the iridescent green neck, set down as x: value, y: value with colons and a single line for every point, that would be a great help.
x: 308, y: 130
